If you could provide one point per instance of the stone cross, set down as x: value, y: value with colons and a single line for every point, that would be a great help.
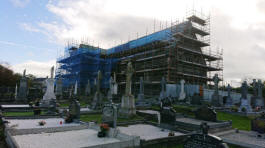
x: 129, y: 73
x: 244, y: 90
x: 260, y: 87
x: 52, y: 72
x: 99, y: 80
x: 24, y: 73
x: 216, y: 80
x: 141, y: 85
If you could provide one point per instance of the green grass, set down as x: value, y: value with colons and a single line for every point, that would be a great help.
x: 18, y: 113
x: 66, y: 104
x: 97, y: 118
x: 240, y: 122
x: 94, y: 117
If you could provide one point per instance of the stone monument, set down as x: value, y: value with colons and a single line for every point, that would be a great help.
x: 97, y: 100
x: 182, y: 94
x: 141, y: 92
x: 204, y: 140
x: 229, y: 100
x: 49, y: 94
x: 110, y: 92
x: 74, y: 112
x: 75, y: 91
x: 216, y: 98
x: 110, y: 115
x: 259, y: 101
x: 245, y: 104
x: 206, y: 113
x: 255, y: 93
x: 59, y: 87
x: 163, y: 89
x: 115, y: 85
x: 88, y: 89
x: 128, y: 101
x: 258, y: 124
x: 23, y: 89
x: 167, y: 113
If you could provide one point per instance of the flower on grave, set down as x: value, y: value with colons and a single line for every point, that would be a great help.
x: 104, y: 127
x: 42, y: 123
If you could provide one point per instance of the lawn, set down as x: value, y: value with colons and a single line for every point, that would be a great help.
x: 66, y: 104
x: 97, y: 118
x: 22, y: 113
x: 240, y: 122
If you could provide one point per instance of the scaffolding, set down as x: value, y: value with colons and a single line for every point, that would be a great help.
x: 180, y: 51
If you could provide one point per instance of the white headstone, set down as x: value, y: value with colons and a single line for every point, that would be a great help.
x: 182, y: 94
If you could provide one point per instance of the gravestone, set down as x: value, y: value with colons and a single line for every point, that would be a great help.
x: 115, y: 85
x: 88, y: 89
x: 259, y: 101
x: 23, y: 89
x: 141, y: 92
x: 75, y: 91
x: 206, y: 113
x: 128, y: 101
x: 167, y: 113
x: 196, y: 99
x: 182, y: 94
x: 216, y: 98
x: 49, y: 94
x: 245, y: 104
x: 163, y: 88
x: 97, y: 100
x: 110, y: 115
x: 52, y: 107
x: 110, y: 92
x: 258, y: 124
x: 204, y: 140
x: 255, y: 93
x: 229, y: 100
x: 59, y: 87
x: 74, y: 110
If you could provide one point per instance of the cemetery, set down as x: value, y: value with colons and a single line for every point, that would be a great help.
x: 129, y: 96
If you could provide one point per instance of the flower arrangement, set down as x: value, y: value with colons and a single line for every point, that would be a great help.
x: 42, y: 123
x: 104, y: 128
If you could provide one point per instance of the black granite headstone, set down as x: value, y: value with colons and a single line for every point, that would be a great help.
x: 204, y: 140
x: 167, y: 113
x: 206, y: 113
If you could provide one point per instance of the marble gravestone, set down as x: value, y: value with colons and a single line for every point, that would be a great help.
x: 206, y: 113
x: 182, y: 94
x: 97, y: 100
x: 163, y: 89
x: 141, y: 92
x: 259, y: 101
x: 229, y: 100
x: 216, y: 98
x: 167, y: 113
x: 204, y: 140
x: 244, y: 103
x: 49, y: 94
x: 110, y: 115
x: 23, y: 89
x: 128, y: 102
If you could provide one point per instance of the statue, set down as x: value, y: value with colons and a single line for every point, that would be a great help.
x: 24, y: 73
x: 129, y: 73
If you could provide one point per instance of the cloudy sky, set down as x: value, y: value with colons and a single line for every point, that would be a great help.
x: 34, y: 33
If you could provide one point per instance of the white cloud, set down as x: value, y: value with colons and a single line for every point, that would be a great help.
x: 39, y: 69
x: 20, y: 3
x: 237, y: 26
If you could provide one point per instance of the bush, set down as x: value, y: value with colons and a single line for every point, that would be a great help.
x: 243, y: 109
